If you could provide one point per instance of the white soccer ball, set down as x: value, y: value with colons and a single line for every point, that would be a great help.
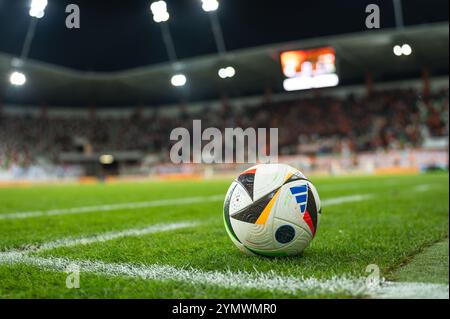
x: 272, y: 210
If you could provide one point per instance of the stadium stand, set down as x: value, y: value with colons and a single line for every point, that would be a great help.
x: 62, y: 130
x: 393, y: 119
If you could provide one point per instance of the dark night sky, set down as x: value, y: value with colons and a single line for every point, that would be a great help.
x: 121, y: 34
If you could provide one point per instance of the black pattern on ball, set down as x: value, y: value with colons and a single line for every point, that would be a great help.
x: 285, y: 234
x: 312, y: 209
x: 247, y: 181
x: 251, y: 213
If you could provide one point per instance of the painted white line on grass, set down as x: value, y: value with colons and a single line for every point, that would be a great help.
x: 422, y: 188
x: 232, y: 280
x: 113, y: 207
x: 65, y: 242
x: 134, y: 232
x: 160, y: 228
x: 154, y: 203
x: 347, y: 186
x: 345, y: 199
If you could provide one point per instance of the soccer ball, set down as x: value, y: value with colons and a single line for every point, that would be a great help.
x: 272, y: 210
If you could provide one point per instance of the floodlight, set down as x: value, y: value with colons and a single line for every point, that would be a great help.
x: 159, y: 11
x: 406, y: 49
x: 398, y: 51
x: 17, y: 78
x: 37, y: 8
x: 106, y: 159
x: 230, y: 71
x: 210, y: 5
x: 178, y: 80
x: 227, y: 72
x: 223, y: 73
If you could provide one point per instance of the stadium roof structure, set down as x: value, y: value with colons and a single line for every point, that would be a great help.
x: 257, y: 69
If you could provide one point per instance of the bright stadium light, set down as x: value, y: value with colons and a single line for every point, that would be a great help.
x: 17, y: 78
x: 159, y: 11
x: 398, y: 50
x: 223, y: 73
x: 178, y: 80
x: 37, y: 8
x: 106, y: 159
x: 210, y: 5
x: 406, y: 49
x: 230, y: 71
x: 227, y: 72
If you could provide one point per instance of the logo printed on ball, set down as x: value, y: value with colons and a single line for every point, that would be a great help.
x: 301, y: 195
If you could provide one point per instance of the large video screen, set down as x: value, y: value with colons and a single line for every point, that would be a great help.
x: 308, y: 69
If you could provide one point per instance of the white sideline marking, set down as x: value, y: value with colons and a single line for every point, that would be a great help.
x: 112, y: 207
x: 154, y: 203
x: 422, y: 188
x: 262, y: 281
x: 345, y: 199
x: 158, y: 228
x: 347, y: 186
x: 68, y: 242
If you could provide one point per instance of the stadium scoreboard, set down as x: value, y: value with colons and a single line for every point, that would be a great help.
x: 309, y: 69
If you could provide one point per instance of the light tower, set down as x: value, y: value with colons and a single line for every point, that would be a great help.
x: 36, y: 12
x: 161, y: 16
x: 405, y: 49
x: 211, y: 7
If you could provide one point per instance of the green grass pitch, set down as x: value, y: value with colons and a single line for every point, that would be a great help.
x: 402, y: 217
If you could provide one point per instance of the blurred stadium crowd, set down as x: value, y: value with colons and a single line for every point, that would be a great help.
x: 390, y: 119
